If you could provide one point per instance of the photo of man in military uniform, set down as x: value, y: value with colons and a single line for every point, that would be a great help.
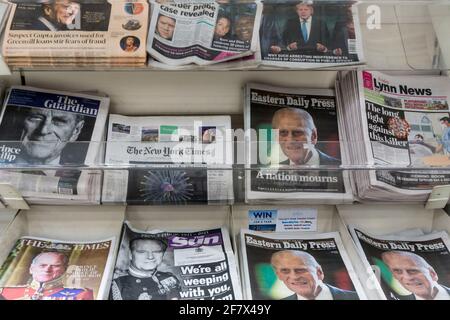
x: 47, y: 272
x: 144, y: 281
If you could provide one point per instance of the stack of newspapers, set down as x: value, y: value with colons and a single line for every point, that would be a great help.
x: 297, y: 266
x: 168, y: 160
x: 64, y: 33
x: 295, y: 149
x: 407, y: 265
x: 49, y: 141
x: 397, y: 124
x: 161, y: 265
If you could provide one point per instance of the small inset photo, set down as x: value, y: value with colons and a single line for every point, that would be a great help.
x: 208, y: 134
x: 134, y: 8
x: 149, y: 134
x: 132, y: 25
x: 121, y: 128
x: 130, y: 43
x: 165, y: 26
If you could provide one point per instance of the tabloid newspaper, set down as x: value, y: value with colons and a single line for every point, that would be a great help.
x: 304, y: 34
x: 48, y: 269
x: 86, y: 32
x: 203, y: 33
x: 160, y: 265
x: 293, y: 129
x: 398, y: 121
x: 295, y: 266
x: 406, y: 267
x: 181, y: 154
x: 45, y: 128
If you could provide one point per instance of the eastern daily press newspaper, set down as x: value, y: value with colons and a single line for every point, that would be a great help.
x: 203, y: 33
x: 181, y: 153
x: 39, y: 128
x: 307, y: 34
x: 294, y: 266
x: 406, y: 267
x: 293, y: 128
x: 406, y: 122
x: 159, y: 265
x: 65, y: 32
x: 79, y: 270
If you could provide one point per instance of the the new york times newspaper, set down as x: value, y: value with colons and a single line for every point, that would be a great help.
x: 407, y: 267
x: 406, y: 122
x: 307, y: 34
x: 288, y: 266
x: 80, y: 270
x: 162, y: 265
x: 203, y: 33
x: 294, y: 129
x: 65, y: 32
x: 189, y: 160
x: 45, y: 129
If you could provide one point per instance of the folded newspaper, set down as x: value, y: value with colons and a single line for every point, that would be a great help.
x: 400, y: 122
x: 76, y: 33
x: 296, y: 266
x: 307, y: 34
x: 295, y: 151
x: 48, y: 269
x: 46, y: 132
x: 203, y: 32
x: 159, y: 265
x: 180, y: 153
x: 406, y: 267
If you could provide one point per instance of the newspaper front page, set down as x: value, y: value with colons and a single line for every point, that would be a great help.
x: 203, y: 33
x: 41, y: 128
x: 293, y: 128
x: 406, y: 122
x: 406, y: 267
x: 195, y: 265
x: 307, y: 34
x: 287, y: 266
x: 78, y: 270
x: 181, y: 153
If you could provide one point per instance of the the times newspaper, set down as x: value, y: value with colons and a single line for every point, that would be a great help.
x: 406, y: 267
x: 294, y: 129
x: 203, y: 33
x: 40, y: 127
x: 293, y: 266
x: 78, y: 270
x: 159, y: 265
x: 303, y: 34
x: 406, y: 122
x: 77, y: 32
x: 181, y: 153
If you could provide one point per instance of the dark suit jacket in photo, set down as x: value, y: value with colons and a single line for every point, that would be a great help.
x: 338, y: 294
x: 413, y: 297
x: 318, y: 34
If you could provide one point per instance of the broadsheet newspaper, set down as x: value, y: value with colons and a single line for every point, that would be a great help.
x: 62, y: 32
x: 407, y: 267
x: 41, y: 128
x: 78, y: 270
x: 406, y: 122
x: 159, y: 265
x: 307, y: 34
x: 181, y: 153
x: 287, y: 266
x: 293, y: 128
x: 204, y: 32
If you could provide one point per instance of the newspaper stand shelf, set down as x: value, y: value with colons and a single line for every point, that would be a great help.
x: 402, y: 37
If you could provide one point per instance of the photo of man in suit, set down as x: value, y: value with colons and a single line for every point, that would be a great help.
x: 297, y: 137
x: 305, y: 34
x: 303, y: 275
x: 416, y: 275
